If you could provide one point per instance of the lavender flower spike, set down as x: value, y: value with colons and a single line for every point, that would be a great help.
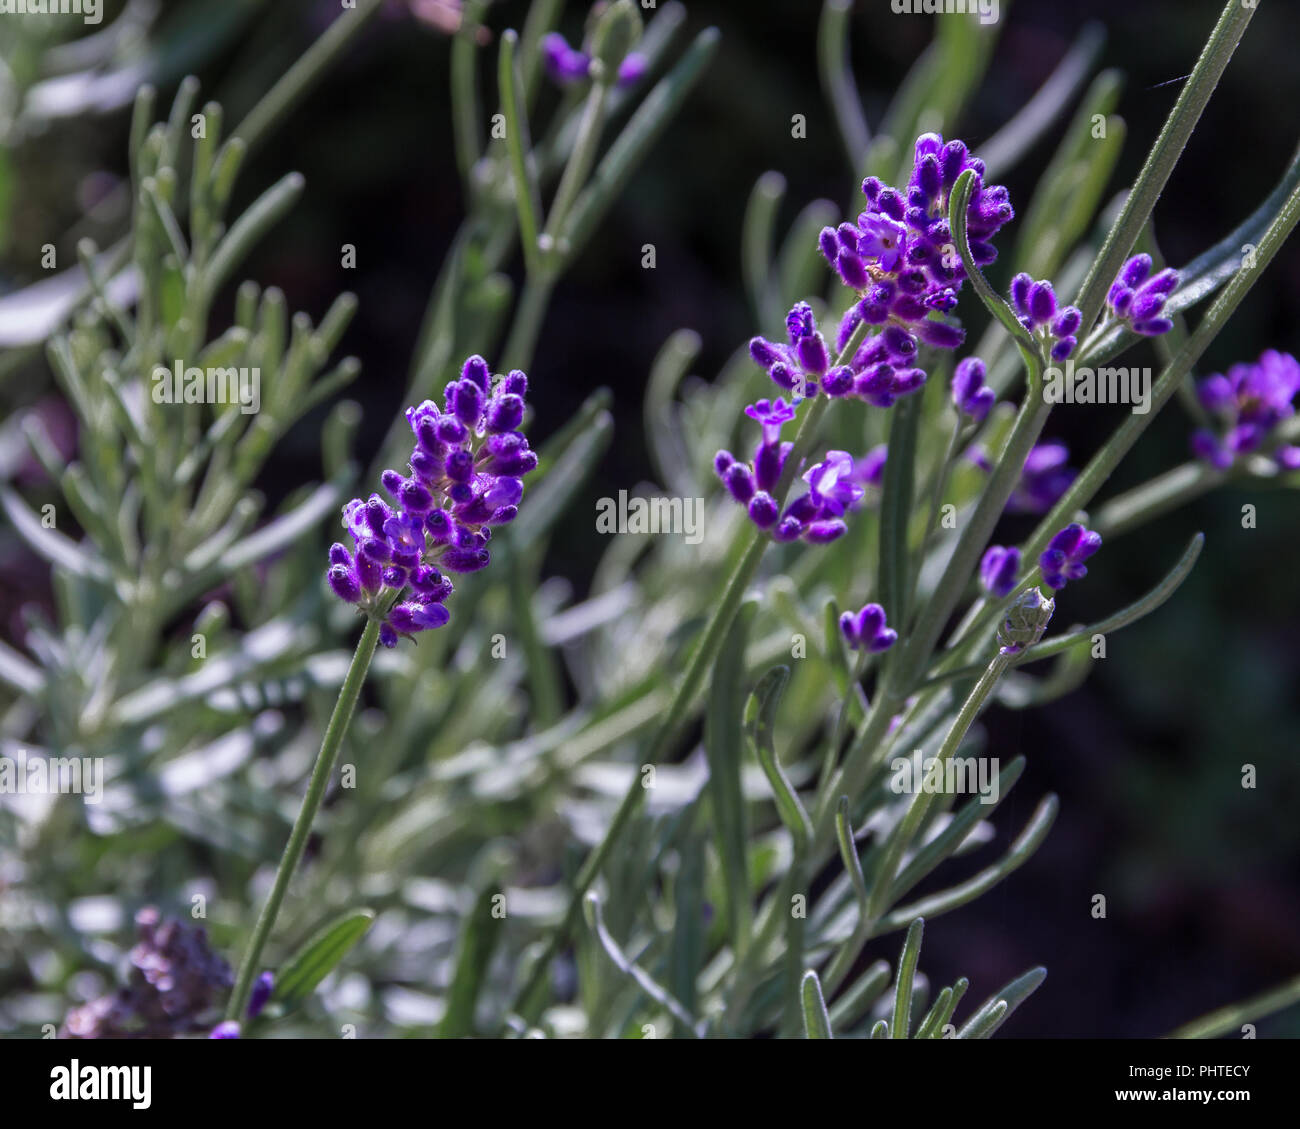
x: 1063, y: 558
x: 866, y: 628
x: 998, y: 570
x: 466, y: 476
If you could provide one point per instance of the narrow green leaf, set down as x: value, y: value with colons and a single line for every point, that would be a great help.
x: 760, y: 716
x: 999, y: 1006
x: 480, y: 933
x: 299, y: 976
x: 816, y: 1021
x: 901, y: 1023
x: 723, y: 745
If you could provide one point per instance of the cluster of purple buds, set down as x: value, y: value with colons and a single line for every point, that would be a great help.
x: 175, y: 984
x: 900, y: 253
x: 1138, y: 298
x: 1063, y: 558
x: 1035, y: 306
x: 567, y: 65
x: 1045, y: 478
x: 970, y: 394
x: 998, y: 570
x: 1251, y: 400
x: 867, y: 629
x: 466, y: 476
x: 835, y: 486
x: 880, y: 372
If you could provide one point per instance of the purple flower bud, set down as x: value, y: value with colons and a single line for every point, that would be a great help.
x: 632, y: 69
x: 387, y: 636
x: 465, y: 560
x: 1020, y: 286
x: 392, y: 482
x: 866, y: 628
x: 451, y: 431
x: 1067, y: 323
x: 824, y: 532
x: 344, y: 582
x: 261, y: 992
x: 765, y: 354
x: 1063, y: 558
x: 763, y: 510
x: 460, y: 466
x: 998, y: 570
x: 476, y: 370
x: 505, y: 413
x: 340, y: 556
x: 739, y: 481
x: 369, y: 573
x: 515, y: 383
x: 227, y: 1029
x: 1132, y: 273
x: 415, y: 498
x: 1042, y: 302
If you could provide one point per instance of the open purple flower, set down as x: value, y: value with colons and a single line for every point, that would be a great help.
x: 1063, y: 558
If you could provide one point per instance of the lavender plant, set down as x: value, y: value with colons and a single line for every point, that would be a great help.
x: 549, y: 790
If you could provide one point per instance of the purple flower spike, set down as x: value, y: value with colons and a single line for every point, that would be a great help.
x: 969, y: 393
x: 866, y: 628
x: 1063, y: 558
x: 466, y: 467
x: 999, y: 569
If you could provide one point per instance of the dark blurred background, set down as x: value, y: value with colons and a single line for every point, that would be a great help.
x: 1201, y: 876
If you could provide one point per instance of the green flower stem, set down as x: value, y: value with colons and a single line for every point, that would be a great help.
x: 1163, y: 157
x: 293, y: 87
x: 528, y: 1002
x: 1034, y: 410
x: 1231, y: 1018
x: 1161, y: 494
x: 886, y: 870
x: 320, y: 778
x: 579, y: 165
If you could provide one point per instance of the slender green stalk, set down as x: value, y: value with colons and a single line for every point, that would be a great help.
x: 1232, y: 1017
x: 1164, y: 156
x: 528, y: 1002
x: 320, y: 778
x: 906, y: 831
